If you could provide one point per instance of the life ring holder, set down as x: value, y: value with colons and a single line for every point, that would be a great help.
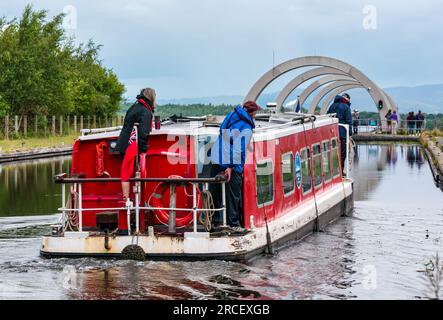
x: 155, y: 201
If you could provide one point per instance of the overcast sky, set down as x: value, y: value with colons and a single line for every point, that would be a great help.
x: 193, y: 48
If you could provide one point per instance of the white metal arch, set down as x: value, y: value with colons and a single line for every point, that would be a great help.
x: 302, y: 78
x: 321, y: 82
x: 315, y: 102
x: 376, y: 93
x: 331, y: 96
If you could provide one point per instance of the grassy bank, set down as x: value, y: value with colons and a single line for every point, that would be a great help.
x: 22, y: 145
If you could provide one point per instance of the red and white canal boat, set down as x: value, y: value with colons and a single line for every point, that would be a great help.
x: 292, y: 187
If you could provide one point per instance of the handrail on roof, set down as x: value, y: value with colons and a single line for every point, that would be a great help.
x: 298, y: 119
x: 85, y: 132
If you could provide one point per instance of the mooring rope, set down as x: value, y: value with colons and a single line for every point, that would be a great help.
x: 207, y: 216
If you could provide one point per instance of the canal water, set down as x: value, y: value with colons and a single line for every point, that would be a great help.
x: 377, y: 253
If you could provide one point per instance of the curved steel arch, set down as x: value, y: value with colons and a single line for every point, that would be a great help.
x: 302, y: 78
x: 376, y: 93
x: 331, y: 96
x: 321, y: 82
x: 328, y: 89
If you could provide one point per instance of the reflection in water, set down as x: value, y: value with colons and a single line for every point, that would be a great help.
x: 27, y: 189
x: 374, y: 254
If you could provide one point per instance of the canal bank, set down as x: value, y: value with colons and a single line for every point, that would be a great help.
x: 35, y: 148
x: 434, y: 153
x: 35, y: 154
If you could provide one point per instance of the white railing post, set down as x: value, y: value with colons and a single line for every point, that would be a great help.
x: 64, y: 206
x: 194, y: 210
x: 129, y: 205
x: 224, y: 204
x: 80, y: 208
x: 137, y: 207
x: 347, y: 150
x: 348, y: 138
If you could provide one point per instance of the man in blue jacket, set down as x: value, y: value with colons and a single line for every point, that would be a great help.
x: 229, y: 157
x: 342, y: 108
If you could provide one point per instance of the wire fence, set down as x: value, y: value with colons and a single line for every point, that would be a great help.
x: 19, y: 127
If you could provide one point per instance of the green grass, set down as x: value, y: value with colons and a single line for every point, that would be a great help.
x: 21, y: 145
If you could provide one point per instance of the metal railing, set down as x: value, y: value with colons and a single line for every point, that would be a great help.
x: 348, y: 140
x: 130, y: 207
x: 377, y: 125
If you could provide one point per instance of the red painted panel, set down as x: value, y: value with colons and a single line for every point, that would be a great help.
x: 282, y: 204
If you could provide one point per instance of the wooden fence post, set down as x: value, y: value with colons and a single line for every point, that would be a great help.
x: 25, y: 126
x: 16, y: 124
x: 36, y: 125
x: 53, y: 125
x: 46, y: 125
x: 7, y: 127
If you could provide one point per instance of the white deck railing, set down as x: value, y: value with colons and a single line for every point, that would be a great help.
x: 130, y: 207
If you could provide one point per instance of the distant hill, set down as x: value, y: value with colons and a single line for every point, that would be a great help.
x: 428, y: 98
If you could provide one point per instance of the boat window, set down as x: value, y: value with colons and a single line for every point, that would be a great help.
x: 288, y: 173
x: 335, y: 158
x: 265, y: 183
x: 327, y: 161
x: 204, y: 164
x: 316, y: 159
x: 306, y: 170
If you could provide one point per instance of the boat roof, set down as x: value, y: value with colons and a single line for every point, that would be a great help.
x: 274, y: 126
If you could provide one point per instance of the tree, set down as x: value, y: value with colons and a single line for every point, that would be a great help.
x: 43, y: 72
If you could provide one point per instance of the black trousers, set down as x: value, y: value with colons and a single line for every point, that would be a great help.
x: 234, y: 198
x: 343, y: 143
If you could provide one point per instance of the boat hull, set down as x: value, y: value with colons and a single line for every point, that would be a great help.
x: 293, y: 226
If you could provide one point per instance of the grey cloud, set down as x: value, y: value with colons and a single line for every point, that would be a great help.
x: 190, y: 48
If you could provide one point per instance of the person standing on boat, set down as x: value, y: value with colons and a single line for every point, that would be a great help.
x: 342, y: 108
x: 228, y: 157
x: 141, y: 112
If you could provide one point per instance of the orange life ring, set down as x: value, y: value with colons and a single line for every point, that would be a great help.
x: 163, y: 215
